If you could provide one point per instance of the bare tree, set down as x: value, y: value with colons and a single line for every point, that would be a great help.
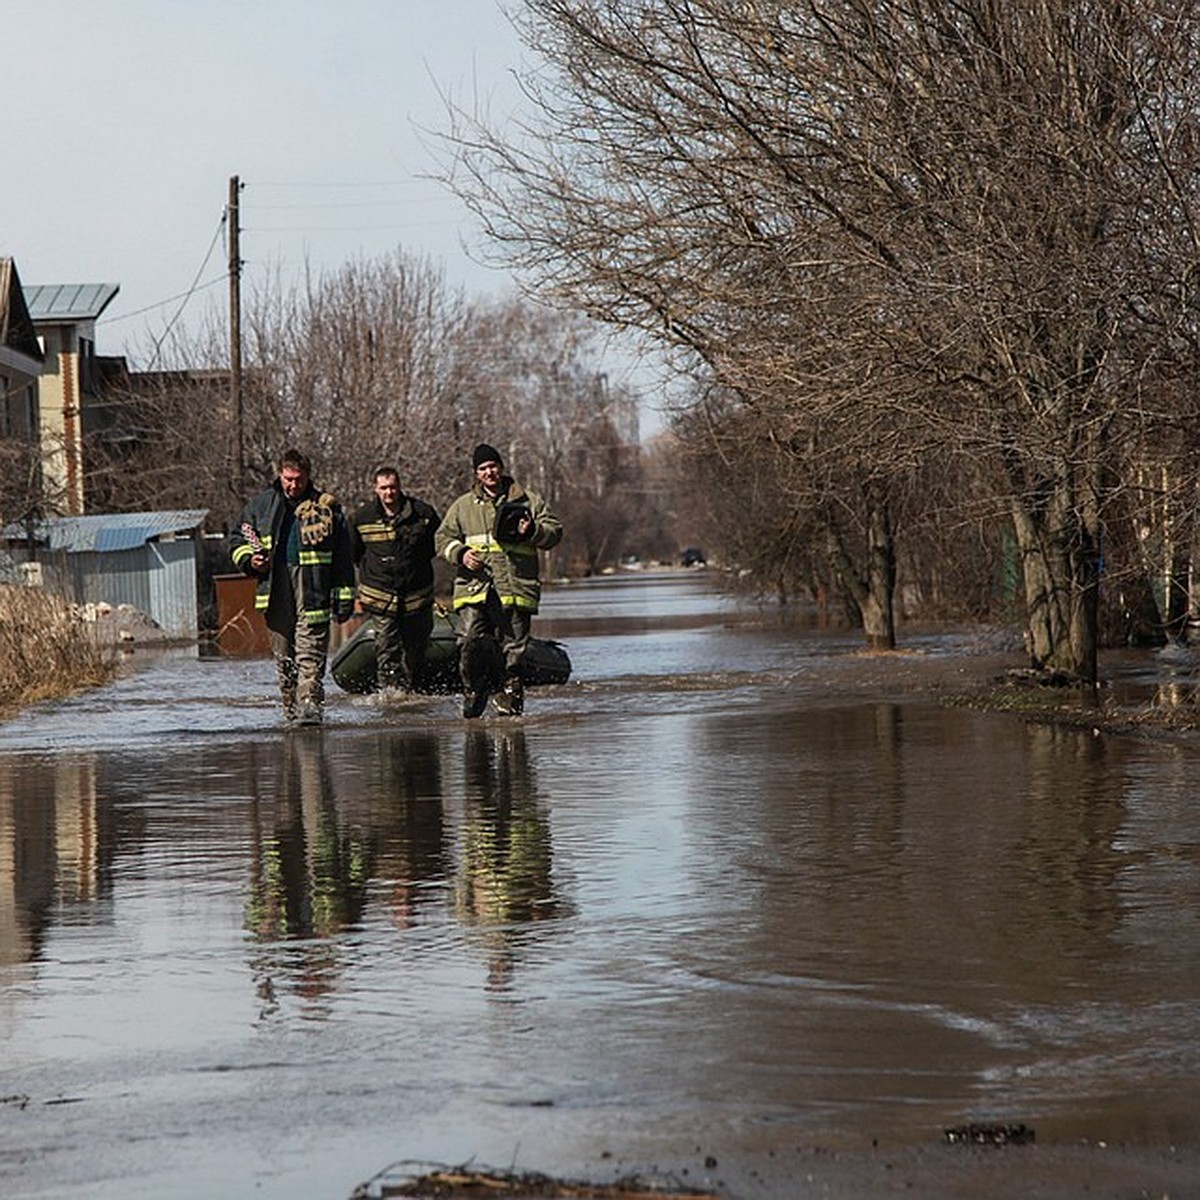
x: 376, y: 362
x: 21, y: 490
x: 159, y: 440
x: 893, y: 229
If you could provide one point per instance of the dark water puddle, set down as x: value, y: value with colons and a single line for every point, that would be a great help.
x: 699, y: 897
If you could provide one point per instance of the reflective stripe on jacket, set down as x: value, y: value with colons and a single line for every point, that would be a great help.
x: 394, y: 556
x: 326, y: 561
x: 511, y: 567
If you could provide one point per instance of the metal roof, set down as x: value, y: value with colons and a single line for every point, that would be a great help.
x: 109, y: 531
x: 50, y: 302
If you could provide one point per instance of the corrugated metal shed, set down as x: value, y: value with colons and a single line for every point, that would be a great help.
x: 107, y: 532
x: 69, y: 301
x: 148, y: 560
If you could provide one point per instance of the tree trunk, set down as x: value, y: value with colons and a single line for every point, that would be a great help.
x: 874, y: 594
x: 879, y: 607
x: 1060, y: 564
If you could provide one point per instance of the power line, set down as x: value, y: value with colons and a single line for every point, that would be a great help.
x: 137, y: 312
x: 349, y: 228
x: 190, y: 292
x: 342, y: 184
x: 338, y: 204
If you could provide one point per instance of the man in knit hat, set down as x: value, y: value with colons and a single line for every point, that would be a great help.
x: 492, y: 535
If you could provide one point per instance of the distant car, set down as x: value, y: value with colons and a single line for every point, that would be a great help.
x: 693, y: 556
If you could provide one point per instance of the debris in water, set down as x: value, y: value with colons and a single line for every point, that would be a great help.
x: 464, y: 1183
x: 990, y: 1135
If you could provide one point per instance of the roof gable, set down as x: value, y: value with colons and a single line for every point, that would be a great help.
x: 16, y: 325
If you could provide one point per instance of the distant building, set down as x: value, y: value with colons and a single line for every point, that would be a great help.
x: 70, y: 391
x: 97, y: 431
x: 141, y: 420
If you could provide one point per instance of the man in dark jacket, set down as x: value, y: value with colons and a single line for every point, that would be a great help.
x: 392, y: 537
x: 294, y: 540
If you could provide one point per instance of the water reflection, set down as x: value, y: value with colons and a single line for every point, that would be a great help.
x: 308, y: 872
x: 679, y: 904
x: 404, y: 780
x: 1177, y: 685
x: 27, y: 867
x: 322, y: 837
x: 891, y: 847
x: 1168, y: 678
x: 57, y: 844
x: 505, y: 879
x: 332, y: 837
x: 1068, y: 852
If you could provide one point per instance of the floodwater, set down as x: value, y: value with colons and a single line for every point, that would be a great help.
x: 701, y: 904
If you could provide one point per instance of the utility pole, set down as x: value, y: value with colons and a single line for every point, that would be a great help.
x: 235, y: 334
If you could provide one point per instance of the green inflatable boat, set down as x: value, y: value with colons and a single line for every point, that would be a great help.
x: 353, y: 665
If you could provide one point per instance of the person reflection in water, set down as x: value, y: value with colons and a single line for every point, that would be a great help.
x: 309, y: 875
x: 505, y: 879
x: 407, y: 812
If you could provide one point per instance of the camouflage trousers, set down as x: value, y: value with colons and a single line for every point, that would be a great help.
x: 300, y: 650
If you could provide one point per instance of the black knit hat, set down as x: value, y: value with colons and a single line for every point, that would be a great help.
x: 485, y: 454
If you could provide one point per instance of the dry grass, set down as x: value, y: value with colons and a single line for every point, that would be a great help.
x: 46, y: 650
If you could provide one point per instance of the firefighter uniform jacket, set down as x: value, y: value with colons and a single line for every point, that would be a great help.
x: 326, y: 561
x: 394, y: 556
x: 511, y: 568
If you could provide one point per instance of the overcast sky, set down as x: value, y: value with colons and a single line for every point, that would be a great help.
x: 125, y: 119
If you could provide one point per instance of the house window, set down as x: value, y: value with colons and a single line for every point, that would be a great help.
x: 87, y: 366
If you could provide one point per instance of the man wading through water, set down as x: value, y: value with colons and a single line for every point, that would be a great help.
x: 492, y: 534
x: 393, y: 547
x: 294, y: 540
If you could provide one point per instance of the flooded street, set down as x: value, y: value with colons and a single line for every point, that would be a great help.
x: 718, y: 898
